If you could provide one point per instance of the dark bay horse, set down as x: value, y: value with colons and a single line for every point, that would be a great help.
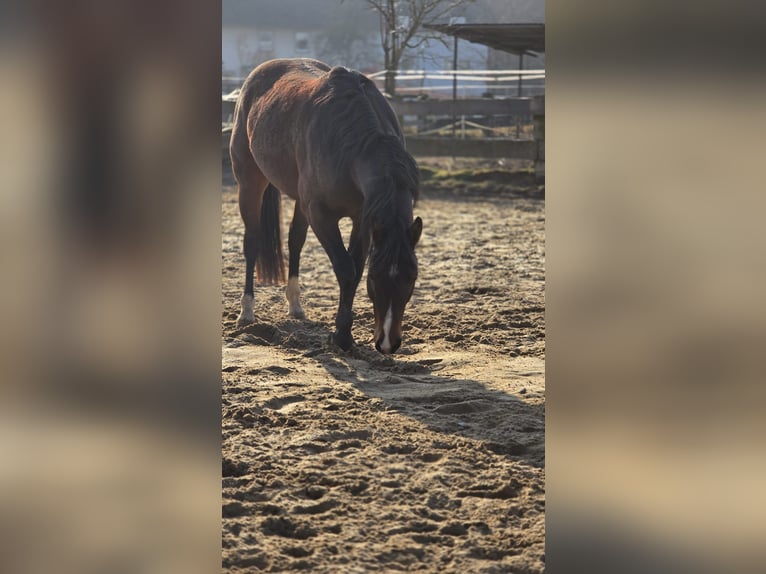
x: 328, y: 139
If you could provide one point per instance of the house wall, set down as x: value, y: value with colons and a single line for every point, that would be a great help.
x: 349, y: 35
x: 242, y: 48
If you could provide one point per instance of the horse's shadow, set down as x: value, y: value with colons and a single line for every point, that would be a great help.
x: 501, y: 422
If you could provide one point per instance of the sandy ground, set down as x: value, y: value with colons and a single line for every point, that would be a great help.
x: 432, y: 461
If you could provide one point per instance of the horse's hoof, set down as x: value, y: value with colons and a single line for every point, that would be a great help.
x: 246, y: 314
x: 297, y: 314
x: 344, y: 341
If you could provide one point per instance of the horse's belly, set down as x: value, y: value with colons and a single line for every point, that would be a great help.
x: 344, y: 200
x: 279, y: 168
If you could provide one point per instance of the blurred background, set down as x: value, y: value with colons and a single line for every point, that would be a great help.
x: 465, y: 77
x: 655, y: 274
x: 110, y: 256
x: 110, y: 219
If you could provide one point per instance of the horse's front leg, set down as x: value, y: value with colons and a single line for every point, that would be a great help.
x: 358, y: 248
x: 345, y: 317
x: 325, y: 227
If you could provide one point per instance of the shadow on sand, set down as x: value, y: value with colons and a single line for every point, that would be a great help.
x: 503, y: 423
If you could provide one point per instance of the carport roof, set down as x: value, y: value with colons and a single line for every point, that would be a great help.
x: 513, y: 38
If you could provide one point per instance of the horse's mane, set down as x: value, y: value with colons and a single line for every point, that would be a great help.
x: 383, y: 208
x: 358, y: 120
x: 382, y: 213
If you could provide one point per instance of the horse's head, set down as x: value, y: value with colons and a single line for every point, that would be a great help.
x: 390, y: 282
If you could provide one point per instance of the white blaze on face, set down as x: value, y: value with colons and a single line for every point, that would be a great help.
x: 385, y: 346
x: 394, y: 271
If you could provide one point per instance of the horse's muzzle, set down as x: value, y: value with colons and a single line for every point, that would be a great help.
x: 391, y: 348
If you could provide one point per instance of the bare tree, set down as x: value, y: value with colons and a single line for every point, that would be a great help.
x: 401, y: 28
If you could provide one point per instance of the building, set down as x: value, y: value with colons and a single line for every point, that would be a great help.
x: 254, y: 31
x: 348, y: 34
x: 435, y: 54
x: 517, y: 12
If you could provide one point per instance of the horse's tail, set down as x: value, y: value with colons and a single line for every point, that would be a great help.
x: 270, y: 265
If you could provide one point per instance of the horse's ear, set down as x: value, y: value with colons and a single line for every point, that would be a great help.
x: 415, y: 230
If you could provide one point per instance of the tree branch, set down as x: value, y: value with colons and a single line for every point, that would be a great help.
x: 409, y: 37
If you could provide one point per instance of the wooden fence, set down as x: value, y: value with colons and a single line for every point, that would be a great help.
x: 477, y: 109
x: 482, y: 110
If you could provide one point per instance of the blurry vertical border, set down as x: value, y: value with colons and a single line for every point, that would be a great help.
x: 656, y: 322
x: 111, y: 232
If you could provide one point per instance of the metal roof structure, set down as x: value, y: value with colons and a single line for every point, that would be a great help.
x: 514, y: 38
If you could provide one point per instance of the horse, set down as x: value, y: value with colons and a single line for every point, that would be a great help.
x: 327, y: 138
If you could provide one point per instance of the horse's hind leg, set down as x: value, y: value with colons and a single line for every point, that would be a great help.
x: 295, y: 241
x: 252, y: 184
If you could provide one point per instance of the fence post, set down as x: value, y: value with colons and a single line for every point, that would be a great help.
x: 538, y: 121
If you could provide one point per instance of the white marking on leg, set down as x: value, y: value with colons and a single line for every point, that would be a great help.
x: 293, y: 294
x: 246, y: 315
x: 385, y: 346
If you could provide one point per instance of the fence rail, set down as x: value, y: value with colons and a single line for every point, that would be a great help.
x: 495, y: 110
x: 435, y: 82
x: 464, y: 107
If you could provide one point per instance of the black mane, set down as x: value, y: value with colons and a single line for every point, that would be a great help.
x: 387, y: 216
x: 360, y: 122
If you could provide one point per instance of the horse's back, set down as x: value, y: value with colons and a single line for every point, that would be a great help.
x: 263, y: 78
x: 301, y: 120
x: 269, y: 107
x: 296, y: 74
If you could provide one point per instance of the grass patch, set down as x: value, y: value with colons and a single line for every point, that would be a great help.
x: 482, y: 181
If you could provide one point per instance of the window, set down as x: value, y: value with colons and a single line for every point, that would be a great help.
x: 301, y: 42
x: 265, y: 41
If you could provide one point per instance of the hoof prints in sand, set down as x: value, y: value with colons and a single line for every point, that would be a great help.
x: 431, y: 461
